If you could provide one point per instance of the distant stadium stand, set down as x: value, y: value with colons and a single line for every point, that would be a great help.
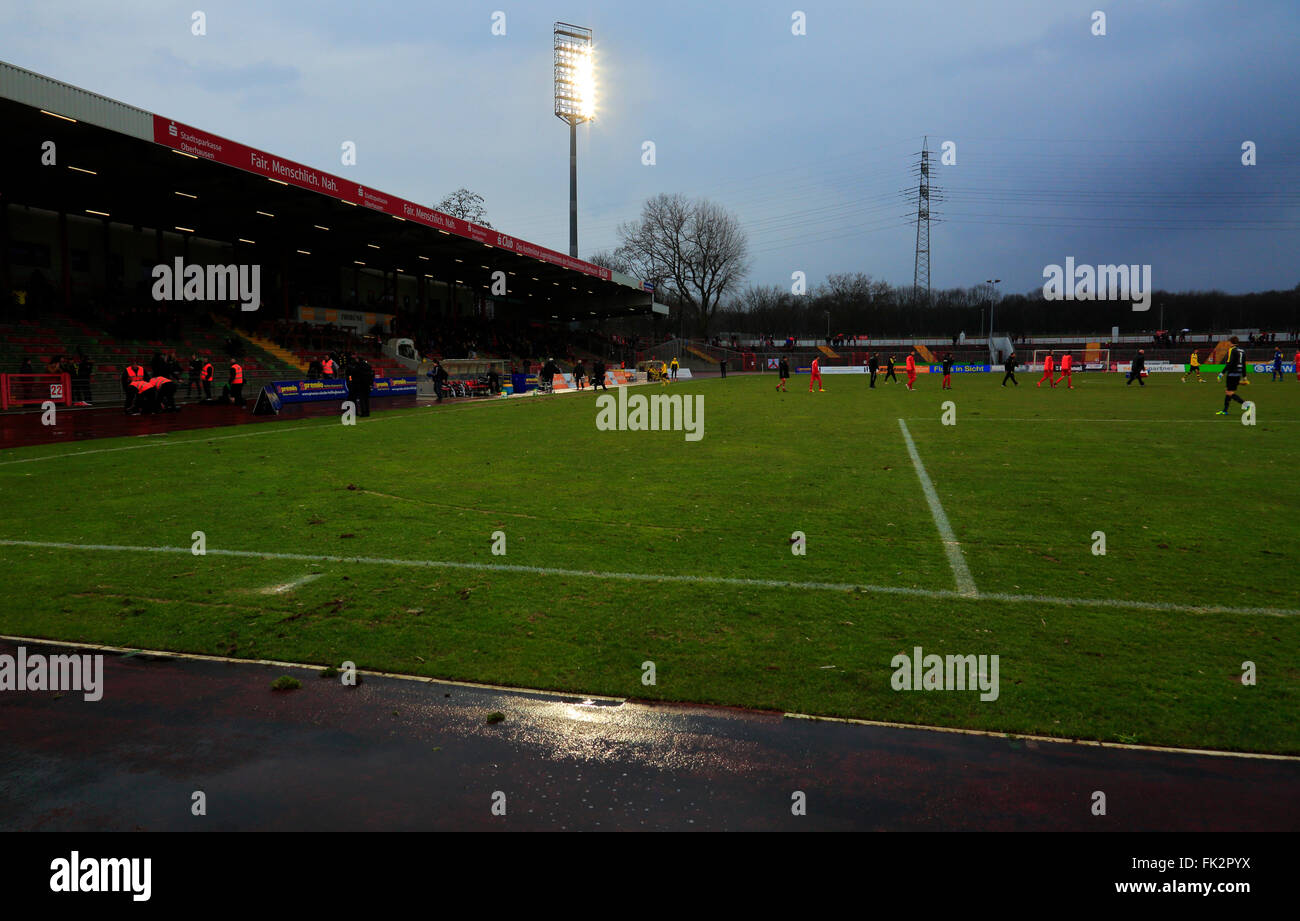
x: 55, y: 334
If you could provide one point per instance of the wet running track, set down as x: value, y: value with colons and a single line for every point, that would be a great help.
x: 394, y: 754
x: 20, y: 429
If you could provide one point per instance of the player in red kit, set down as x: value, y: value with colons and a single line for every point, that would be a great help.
x: 1067, y: 365
x: 1049, y: 365
x: 816, y: 377
x: 1297, y: 365
x: 911, y: 369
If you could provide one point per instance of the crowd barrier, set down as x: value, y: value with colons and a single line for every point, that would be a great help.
x: 278, y: 394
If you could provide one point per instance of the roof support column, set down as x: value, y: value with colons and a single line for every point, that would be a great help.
x: 65, y: 266
x: 284, y: 283
x: 6, y: 272
x: 106, y: 259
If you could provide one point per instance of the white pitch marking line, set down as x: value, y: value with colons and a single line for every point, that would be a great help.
x: 1075, y: 419
x: 1117, y: 603
x: 290, y: 586
x: 965, y: 584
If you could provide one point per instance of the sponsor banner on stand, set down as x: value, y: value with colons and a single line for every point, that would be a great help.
x: 202, y: 144
x: 1153, y: 367
x: 337, y: 389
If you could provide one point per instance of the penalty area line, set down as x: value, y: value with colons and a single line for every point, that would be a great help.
x: 965, y: 582
x: 930, y: 594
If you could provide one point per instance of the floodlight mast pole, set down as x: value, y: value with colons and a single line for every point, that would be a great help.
x: 992, y: 294
x: 574, y: 102
x: 573, y: 189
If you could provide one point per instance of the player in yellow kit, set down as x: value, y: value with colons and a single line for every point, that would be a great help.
x: 1194, y: 367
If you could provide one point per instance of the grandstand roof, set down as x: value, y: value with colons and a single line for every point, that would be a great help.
x: 145, y: 170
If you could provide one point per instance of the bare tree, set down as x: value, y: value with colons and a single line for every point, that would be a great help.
x: 694, y: 252
x: 466, y: 205
x: 611, y: 260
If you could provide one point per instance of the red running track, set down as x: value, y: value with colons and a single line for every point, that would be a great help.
x: 19, y: 430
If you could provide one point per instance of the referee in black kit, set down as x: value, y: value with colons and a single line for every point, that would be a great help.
x: 1138, y: 368
x: 360, y: 377
x: 1234, y: 373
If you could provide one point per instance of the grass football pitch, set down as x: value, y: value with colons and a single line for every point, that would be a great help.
x: 1144, y: 644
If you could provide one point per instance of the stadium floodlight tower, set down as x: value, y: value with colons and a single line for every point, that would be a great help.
x: 992, y: 295
x: 993, y: 292
x: 575, y: 101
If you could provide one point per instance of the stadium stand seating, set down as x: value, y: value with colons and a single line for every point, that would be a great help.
x: 701, y: 354
x: 55, y: 334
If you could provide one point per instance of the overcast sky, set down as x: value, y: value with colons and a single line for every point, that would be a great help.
x: 1117, y: 148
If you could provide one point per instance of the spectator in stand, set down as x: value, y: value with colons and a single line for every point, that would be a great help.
x: 159, y: 365
x: 192, y: 383
x: 81, y: 383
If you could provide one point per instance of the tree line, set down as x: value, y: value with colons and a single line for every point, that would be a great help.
x: 696, y: 254
x: 855, y: 303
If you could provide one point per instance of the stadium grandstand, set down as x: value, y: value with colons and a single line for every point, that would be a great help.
x: 98, y: 193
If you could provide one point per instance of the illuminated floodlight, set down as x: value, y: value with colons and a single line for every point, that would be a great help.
x: 575, y: 74
x: 575, y: 101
